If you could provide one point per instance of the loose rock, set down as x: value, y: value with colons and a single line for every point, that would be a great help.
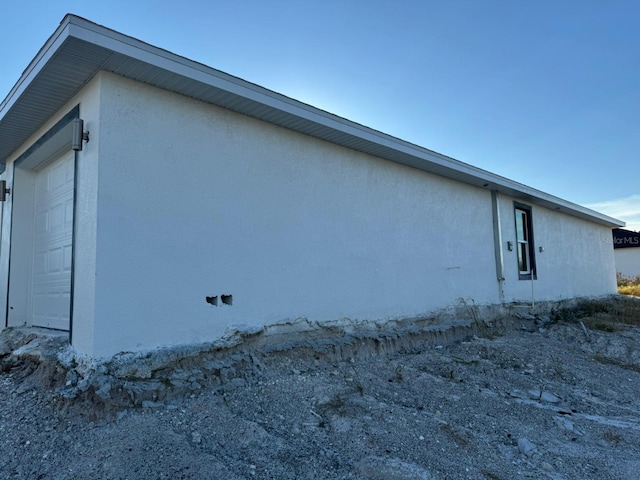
x: 381, y: 468
x: 526, y: 447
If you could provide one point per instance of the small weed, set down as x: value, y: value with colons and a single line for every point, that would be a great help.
x: 491, y: 475
x: 471, y: 308
x: 398, y: 371
x: 605, y: 327
x: 359, y: 385
x: 473, y: 361
x: 614, y: 438
x: 558, y: 369
x: 612, y: 361
x: 461, y: 438
x: 584, y: 308
x: 589, y: 308
x: 609, y: 315
x: 560, y: 315
x: 337, y: 404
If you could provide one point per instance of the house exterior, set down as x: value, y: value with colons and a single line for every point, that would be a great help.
x: 190, y: 201
x: 626, y: 245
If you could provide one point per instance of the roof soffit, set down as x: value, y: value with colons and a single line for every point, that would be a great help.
x: 79, y: 49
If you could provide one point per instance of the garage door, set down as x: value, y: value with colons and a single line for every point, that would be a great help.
x: 51, y: 276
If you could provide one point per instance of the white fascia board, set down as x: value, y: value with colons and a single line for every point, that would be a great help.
x: 426, y: 160
x: 171, y: 62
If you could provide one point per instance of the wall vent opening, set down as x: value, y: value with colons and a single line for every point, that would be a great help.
x: 227, y: 299
x: 212, y: 300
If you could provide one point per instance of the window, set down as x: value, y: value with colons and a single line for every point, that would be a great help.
x: 524, y: 242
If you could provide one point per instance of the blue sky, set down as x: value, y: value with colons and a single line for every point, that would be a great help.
x: 546, y: 93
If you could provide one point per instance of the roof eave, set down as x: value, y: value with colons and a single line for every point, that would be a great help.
x: 105, y: 49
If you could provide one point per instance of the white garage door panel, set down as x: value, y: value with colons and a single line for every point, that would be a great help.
x: 51, y: 292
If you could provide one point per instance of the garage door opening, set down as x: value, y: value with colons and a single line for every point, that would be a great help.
x: 42, y: 244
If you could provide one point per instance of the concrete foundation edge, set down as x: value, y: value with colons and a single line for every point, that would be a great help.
x: 153, y: 378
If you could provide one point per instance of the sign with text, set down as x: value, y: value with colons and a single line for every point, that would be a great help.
x: 625, y: 238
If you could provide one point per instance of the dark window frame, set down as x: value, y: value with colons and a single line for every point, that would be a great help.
x: 532, y: 273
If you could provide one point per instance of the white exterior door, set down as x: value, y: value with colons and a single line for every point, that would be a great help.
x: 53, y: 234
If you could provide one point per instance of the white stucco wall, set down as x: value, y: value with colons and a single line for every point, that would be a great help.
x: 197, y: 201
x: 576, y: 261
x: 628, y: 261
x: 178, y: 200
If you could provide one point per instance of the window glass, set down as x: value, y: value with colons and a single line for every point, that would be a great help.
x: 524, y: 242
x: 523, y: 258
x: 520, y: 219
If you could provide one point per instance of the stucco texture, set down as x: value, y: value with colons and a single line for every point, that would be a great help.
x: 178, y: 201
x: 576, y: 258
x: 197, y: 201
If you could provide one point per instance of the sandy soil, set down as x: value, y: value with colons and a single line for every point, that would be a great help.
x: 533, y: 403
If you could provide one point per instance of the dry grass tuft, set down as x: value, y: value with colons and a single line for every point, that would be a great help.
x: 628, y: 285
x: 633, y: 290
x: 619, y: 363
x: 607, y: 315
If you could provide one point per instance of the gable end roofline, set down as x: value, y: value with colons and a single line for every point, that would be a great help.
x: 79, y: 49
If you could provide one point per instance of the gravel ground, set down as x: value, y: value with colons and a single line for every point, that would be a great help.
x: 532, y: 403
